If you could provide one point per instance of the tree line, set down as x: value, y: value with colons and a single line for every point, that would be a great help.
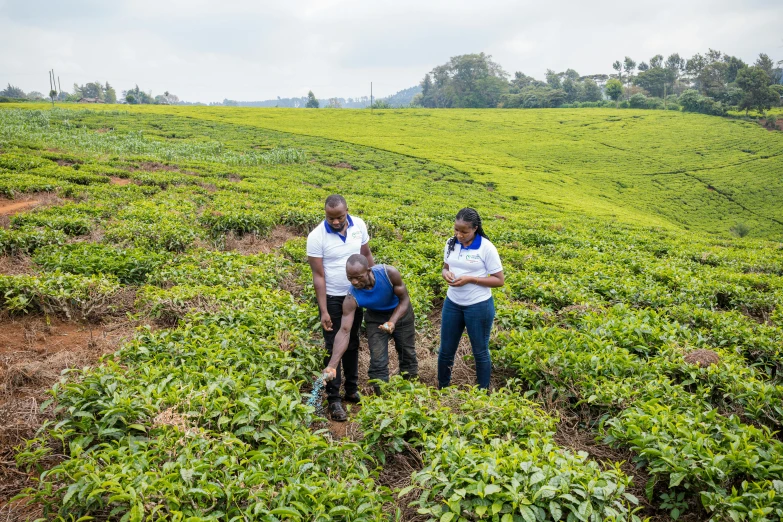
x: 94, y: 92
x: 712, y: 82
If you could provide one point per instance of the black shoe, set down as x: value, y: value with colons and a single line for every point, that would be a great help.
x: 376, y: 390
x: 353, y: 397
x: 337, y: 412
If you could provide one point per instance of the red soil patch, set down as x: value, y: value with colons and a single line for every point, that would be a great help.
x: 119, y: 181
x: 778, y: 125
x: 102, y: 130
x: 10, y: 207
x: 33, y: 353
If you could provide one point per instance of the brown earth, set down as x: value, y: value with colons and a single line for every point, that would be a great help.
x: 153, y: 166
x: 16, y: 265
x: 119, y: 181
x: 344, y: 165
x: 8, y: 207
x: 11, y: 207
x: 34, y: 350
x: 778, y: 124
x: 250, y: 244
x: 703, y: 358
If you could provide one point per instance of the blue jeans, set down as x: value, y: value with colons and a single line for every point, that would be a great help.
x: 478, y: 320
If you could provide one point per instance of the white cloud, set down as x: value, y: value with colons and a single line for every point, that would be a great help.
x: 251, y: 50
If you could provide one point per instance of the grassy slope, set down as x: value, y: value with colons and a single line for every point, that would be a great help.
x: 645, y: 167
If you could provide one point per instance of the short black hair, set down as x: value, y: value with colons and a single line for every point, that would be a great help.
x: 335, y: 200
x: 357, y: 259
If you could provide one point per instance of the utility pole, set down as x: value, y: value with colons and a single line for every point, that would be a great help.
x: 52, y: 86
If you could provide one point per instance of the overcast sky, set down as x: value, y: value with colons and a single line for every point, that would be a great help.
x: 256, y: 49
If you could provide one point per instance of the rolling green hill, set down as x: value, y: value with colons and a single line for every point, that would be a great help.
x: 645, y: 167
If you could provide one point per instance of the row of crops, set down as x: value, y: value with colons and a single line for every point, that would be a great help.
x: 201, y: 417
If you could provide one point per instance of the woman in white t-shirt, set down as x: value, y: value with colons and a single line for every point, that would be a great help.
x: 471, y: 267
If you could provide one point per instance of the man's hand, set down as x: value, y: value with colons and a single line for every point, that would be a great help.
x: 387, y: 327
x: 462, y: 281
x: 326, y: 321
x: 329, y: 374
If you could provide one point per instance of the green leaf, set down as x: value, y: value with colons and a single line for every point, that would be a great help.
x: 675, y: 479
x: 554, y: 508
x: 286, y: 511
x: 527, y: 514
x: 447, y: 516
x: 404, y: 491
x: 187, y: 474
x: 508, y: 517
x: 490, y: 489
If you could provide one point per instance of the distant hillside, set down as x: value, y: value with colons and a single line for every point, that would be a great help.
x: 402, y: 98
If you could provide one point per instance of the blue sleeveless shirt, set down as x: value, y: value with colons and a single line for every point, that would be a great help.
x: 381, y: 296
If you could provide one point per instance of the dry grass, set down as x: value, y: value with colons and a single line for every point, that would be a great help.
x: 252, y: 244
x: 34, y: 351
x: 16, y: 265
x: 703, y: 358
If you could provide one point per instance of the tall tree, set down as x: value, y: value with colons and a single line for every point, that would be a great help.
x: 312, y: 102
x: 628, y: 66
x: 618, y: 66
x: 656, y: 61
x: 765, y: 63
x: 468, y: 80
x: 110, y: 95
x: 12, y: 92
x: 591, y: 92
x: 552, y: 79
x: 754, y: 81
x: 614, y: 89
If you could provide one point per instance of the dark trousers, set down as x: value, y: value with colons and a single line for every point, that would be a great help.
x: 477, y: 319
x: 349, y: 364
x: 404, y: 341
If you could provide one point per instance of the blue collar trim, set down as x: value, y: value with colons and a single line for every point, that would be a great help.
x: 330, y: 231
x: 474, y: 245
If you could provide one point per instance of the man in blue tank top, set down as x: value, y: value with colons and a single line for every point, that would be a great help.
x: 387, y: 312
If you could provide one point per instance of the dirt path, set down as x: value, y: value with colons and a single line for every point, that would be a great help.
x: 119, y: 181
x: 9, y: 207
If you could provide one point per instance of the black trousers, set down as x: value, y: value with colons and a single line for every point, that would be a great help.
x: 404, y: 341
x: 349, y: 364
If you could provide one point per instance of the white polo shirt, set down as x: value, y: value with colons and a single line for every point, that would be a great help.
x: 477, y: 260
x: 335, y: 250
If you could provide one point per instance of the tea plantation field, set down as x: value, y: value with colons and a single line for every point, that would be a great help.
x: 644, y: 167
x: 599, y: 411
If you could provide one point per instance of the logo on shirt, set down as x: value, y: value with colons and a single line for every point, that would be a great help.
x: 472, y: 258
x: 356, y: 234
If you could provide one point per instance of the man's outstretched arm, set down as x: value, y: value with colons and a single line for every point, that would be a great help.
x: 342, y: 337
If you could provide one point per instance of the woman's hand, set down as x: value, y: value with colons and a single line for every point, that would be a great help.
x: 462, y: 281
x: 448, y: 275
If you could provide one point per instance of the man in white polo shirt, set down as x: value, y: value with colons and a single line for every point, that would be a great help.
x: 329, y: 246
